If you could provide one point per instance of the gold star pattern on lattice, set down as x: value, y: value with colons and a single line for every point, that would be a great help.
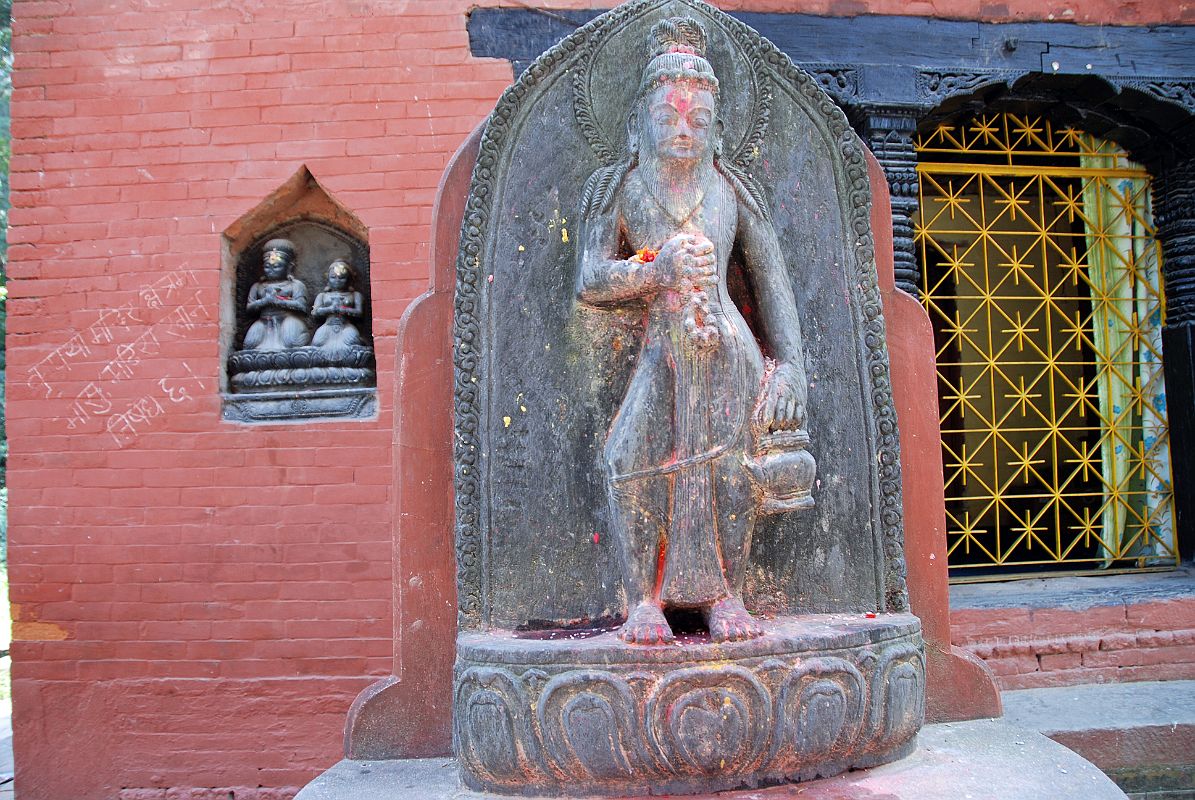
x: 1088, y: 462
x: 1073, y: 266
x: 953, y: 199
x: 1017, y: 265
x: 964, y: 465
x: 1039, y: 462
x: 1089, y: 527
x: 1013, y: 199
x: 1020, y: 331
x: 1024, y: 462
x: 986, y: 130
x: 1024, y: 131
x: 959, y: 399
x: 1028, y: 528
x: 1071, y: 203
x: 967, y: 532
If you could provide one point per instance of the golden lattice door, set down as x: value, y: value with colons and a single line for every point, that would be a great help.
x: 1042, y: 279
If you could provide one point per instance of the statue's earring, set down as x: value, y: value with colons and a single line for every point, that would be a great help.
x: 633, y: 136
x: 719, y: 128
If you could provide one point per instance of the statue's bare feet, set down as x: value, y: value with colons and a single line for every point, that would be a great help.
x: 646, y: 625
x: 729, y: 621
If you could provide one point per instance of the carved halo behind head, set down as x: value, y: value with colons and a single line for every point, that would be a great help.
x: 718, y: 58
x: 678, y: 47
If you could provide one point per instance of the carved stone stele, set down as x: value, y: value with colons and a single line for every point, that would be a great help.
x: 678, y: 512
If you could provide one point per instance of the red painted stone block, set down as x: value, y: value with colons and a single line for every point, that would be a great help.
x: 1061, y: 661
x: 1163, y: 615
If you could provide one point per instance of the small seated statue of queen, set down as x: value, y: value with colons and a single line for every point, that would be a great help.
x: 661, y: 228
x: 279, y: 300
x: 336, y: 304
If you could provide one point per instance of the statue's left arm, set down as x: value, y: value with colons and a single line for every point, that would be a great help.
x: 298, y: 296
x: 783, y: 407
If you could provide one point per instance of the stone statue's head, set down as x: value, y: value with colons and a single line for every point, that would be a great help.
x: 675, y: 111
x: 340, y: 274
x: 277, y: 257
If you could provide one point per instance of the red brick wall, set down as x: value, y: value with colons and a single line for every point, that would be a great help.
x: 197, y: 604
x: 1029, y: 648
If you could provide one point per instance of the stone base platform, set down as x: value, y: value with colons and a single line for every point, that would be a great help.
x: 583, y: 713
x: 981, y: 760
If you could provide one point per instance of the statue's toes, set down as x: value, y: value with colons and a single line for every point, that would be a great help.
x: 645, y: 633
x: 734, y: 628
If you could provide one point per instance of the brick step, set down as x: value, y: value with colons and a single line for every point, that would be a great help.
x: 1068, y: 631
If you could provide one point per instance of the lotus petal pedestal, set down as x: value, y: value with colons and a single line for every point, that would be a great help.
x: 585, y: 714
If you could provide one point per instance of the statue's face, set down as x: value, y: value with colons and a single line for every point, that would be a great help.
x: 338, y: 281
x: 275, y: 263
x: 680, y: 121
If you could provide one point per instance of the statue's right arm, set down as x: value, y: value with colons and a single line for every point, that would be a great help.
x: 255, y: 301
x: 602, y: 275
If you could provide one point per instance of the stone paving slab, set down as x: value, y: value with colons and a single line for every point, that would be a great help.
x: 1075, y: 593
x: 1102, y: 706
x: 1141, y: 734
x: 976, y: 760
x: 6, y: 768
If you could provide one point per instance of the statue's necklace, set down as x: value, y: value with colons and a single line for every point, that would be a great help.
x: 678, y: 221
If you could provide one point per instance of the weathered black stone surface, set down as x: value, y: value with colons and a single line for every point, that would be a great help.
x: 301, y: 405
x: 591, y: 715
x: 1134, y: 85
x: 540, y: 376
x: 560, y: 291
x: 318, y: 245
x: 905, y: 60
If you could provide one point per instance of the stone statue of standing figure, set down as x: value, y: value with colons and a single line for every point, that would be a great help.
x: 661, y: 228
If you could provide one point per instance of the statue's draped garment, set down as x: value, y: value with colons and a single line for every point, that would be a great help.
x: 676, y: 450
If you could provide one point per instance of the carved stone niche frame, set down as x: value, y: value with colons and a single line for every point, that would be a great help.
x: 546, y: 698
x: 300, y: 384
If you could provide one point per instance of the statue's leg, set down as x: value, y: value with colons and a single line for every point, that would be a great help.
x: 736, y: 510
x: 728, y: 619
x: 321, y: 335
x: 641, y: 439
x: 294, y: 332
x: 637, y: 514
x: 255, y: 335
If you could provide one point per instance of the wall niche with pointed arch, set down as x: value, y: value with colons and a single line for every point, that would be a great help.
x: 296, y: 317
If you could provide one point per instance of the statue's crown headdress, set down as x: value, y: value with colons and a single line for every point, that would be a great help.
x: 678, y: 54
x: 280, y: 246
